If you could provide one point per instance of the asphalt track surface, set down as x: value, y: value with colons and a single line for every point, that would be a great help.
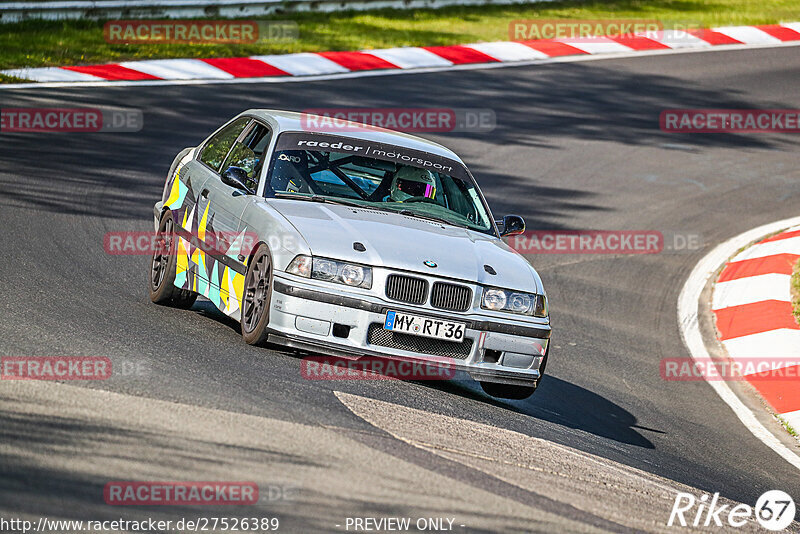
x: 577, y: 146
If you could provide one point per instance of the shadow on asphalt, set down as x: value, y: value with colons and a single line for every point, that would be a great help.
x: 35, y: 483
x: 556, y: 401
x: 563, y: 403
x: 120, y: 175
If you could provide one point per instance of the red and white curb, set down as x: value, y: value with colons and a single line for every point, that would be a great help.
x: 689, y: 309
x: 408, y: 58
x: 753, y: 305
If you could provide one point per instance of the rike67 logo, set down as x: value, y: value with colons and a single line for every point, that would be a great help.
x: 774, y: 510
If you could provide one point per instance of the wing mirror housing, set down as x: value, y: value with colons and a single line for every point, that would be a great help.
x: 236, y: 177
x: 512, y: 225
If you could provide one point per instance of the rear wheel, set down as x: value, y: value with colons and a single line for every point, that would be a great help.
x: 162, y: 269
x: 256, y: 298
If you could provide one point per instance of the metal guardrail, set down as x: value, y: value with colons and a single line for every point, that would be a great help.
x: 175, y: 9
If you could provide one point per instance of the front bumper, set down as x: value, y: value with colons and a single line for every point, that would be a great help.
x: 304, y: 314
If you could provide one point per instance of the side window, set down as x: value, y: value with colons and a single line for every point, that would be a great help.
x: 248, y: 154
x: 218, y: 146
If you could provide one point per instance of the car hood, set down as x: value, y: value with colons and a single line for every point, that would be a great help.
x: 405, y: 242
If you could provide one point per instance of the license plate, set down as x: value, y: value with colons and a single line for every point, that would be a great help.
x: 424, y: 326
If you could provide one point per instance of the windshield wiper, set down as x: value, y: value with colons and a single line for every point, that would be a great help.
x: 410, y: 213
x: 316, y: 198
x: 297, y: 196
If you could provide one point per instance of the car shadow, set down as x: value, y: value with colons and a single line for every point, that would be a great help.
x: 206, y: 308
x: 556, y: 401
x: 566, y: 404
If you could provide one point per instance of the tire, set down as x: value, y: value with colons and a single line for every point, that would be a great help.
x: 256, y: 297
x: 162, y: 270
x: 508, y: 391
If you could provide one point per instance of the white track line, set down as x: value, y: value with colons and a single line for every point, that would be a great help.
x: 688, y: 309
x: 790, y: 245
x: 302, y: 64
x: 752, y: 289
x: 395, y: 72
x: 782, y: 343
x: 747, y: 34
x: 596, y: 45
x: 411, y: 57
x: 508, y: 51
x: 679, y: 39
x: 52, y: 74
x: 177, y: 69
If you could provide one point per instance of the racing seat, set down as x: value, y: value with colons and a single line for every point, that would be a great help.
x: 288, y: 173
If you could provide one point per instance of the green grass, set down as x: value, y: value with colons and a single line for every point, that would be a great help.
x: 792, y: 432
x: 10, y: 79
x: 49, y: 43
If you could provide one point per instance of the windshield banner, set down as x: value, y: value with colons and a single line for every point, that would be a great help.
x: 371, y: 149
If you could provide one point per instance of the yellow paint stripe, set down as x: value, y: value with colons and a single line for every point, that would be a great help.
x: 182, y: 259
x: 201, y: 231
x: 238, y: 286
x: 174, y: 194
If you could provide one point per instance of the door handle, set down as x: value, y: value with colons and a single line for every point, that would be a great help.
x: 204, y: 193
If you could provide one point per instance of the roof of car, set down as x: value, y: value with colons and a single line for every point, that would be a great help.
x: 290, y: 121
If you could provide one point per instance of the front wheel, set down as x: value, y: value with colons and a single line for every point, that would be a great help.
x: 162, y: 269
x: 257, y: 296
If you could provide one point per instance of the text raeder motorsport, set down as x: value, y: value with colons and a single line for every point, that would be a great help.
x: 391, y: 154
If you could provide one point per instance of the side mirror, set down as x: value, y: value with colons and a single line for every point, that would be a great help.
x: 236, y: 177
x: 512, y: 225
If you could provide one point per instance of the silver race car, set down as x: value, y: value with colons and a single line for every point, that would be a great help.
x: 354, y: 242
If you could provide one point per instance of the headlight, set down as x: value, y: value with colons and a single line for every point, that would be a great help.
x: 340, y: 272
x: 514, y: 302
x: 494, y: 299
x: 353, y: 275
x: 324, y: 269
x: 301, y: 266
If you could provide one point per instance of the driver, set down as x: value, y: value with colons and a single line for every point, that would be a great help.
x: 412, y: 182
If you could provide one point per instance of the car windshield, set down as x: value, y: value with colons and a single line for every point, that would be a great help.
x: 377, y: 176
